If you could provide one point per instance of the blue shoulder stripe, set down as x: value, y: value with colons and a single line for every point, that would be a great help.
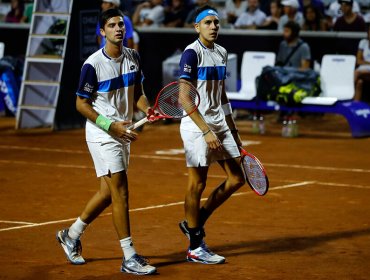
x: 124, y: 80
x: 214, y: 73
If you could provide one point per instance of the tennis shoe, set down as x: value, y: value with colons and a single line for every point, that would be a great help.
x: 137, y: 265
x: 204, y: 255
x: 183, y: 225
x: 72, y: 247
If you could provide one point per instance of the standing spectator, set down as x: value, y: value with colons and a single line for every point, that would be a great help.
x: 150, y: 13
x: 16, y: 13
x: 252, y: 17
x: 234, y: 8
x: 189, y: 22
x: 293, y: 52
x: 272, y: 21
x: 362, y: 72
x: 291, y: 13
x: 313, y: 20
x: 175, y: 14
x: 128, y: 41
x: 350, y: 21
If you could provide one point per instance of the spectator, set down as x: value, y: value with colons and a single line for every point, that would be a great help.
x: 150, y: 13
x: 314, y: 20
x: 350, y: 21
x: 27, y: 14
x: 334, y: 11
x: 128, y: 41
x: 16, y: 13
x: 291, y: 13
x: 272, y: 21
x: 189, y: 22
x: 293, y: 52
x: 252, y: 17
x: 175, y: 14
x: 362, y: 72
x: 234, y: 8
x: 317, y: 4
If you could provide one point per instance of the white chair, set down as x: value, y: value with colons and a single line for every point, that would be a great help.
x: 252, y: 64
x: 2, y: 48
x: 337, y: 80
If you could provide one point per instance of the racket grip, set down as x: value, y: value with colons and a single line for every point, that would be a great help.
x: 138, y: 124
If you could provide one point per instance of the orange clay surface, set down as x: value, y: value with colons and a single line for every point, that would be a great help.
x: 314, y: 223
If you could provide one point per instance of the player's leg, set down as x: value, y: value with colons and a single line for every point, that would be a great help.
x: 70, y: 238
x: 118, y: 186
x: 235, y: 179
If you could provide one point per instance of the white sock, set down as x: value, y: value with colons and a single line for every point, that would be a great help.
x: 127, y: 247
x: 77, y: 229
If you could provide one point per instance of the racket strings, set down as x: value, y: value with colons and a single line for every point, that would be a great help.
x: 255, y: 174
x: 178, y: 99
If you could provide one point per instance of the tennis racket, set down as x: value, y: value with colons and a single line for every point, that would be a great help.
x: 175, y: 101
x: 254, y: 172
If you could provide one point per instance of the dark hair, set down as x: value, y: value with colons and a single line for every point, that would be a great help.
x: 318, y: 16
x: 106, y: 15
x: 203, y: 8
x: 292, y: 25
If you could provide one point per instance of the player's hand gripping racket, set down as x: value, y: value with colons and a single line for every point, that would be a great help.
x: 175, y: 101
x: 255, y: 173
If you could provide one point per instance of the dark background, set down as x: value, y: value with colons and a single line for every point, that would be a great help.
x: 156, y: 45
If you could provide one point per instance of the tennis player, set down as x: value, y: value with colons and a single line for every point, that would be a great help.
x: 110, y: 83
x: 208, y: 134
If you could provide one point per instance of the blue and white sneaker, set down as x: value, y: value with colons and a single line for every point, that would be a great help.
x: 137, y: 265
x: 72, y: 247
x: 204, y: 255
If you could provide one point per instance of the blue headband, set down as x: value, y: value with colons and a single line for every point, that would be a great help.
x: 206, y: 13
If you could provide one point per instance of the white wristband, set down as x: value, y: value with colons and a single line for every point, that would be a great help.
x: 227, y: 109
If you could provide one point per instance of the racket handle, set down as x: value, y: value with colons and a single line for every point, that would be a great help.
x: 138, y: 124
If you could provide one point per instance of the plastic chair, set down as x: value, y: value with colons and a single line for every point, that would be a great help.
x: 337, y: 80
x: 2, y: 48
x: 252, y: 64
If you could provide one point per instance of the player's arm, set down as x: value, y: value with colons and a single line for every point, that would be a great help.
x: 226, y: 107
x: 87, y: 87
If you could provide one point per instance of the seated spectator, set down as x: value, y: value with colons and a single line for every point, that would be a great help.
x: 291, y: 13
x: 293, y: 52
x: 350, y: 21
x: 252, y: 17
x: 272, y: 21
x: 234, y: 8
x: 334, y: 11
x: 189, y: 21
x: 16, y: 13
x: 128, y: 41
x: 313, y: 20
x: 27, y: 14
x: 362, y: 72
x: 150, y: 13
x: 175, y: 14
x: 317, y: 4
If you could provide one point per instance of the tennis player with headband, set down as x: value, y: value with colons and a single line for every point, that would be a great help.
x: 208, y: 134
x: 110, y: 82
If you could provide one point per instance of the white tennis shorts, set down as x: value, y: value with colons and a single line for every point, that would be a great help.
x: 109, y: 156
x: 198, y: 153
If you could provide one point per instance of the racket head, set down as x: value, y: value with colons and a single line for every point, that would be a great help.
x: 254, y: 172
x: 177, y: 100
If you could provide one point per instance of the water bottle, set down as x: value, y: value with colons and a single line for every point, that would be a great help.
x: 255, y: 124
x: 289, y: 132
x: 295, y: 128
x: 261, y: 125
x: 284, y: 130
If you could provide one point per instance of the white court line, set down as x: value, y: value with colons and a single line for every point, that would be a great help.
x: 152, y: 207
x: 16, y: 222
x: 318, y: 167
x: 342, y: 185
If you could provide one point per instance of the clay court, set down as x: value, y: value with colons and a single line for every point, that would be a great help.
x: 313, y: 224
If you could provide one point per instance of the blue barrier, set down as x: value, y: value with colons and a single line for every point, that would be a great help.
x: 356, y: 113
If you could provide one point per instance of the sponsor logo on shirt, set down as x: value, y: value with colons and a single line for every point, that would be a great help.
x: 132, y: 67
x: 88, y: 88
x: 187, y: 68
